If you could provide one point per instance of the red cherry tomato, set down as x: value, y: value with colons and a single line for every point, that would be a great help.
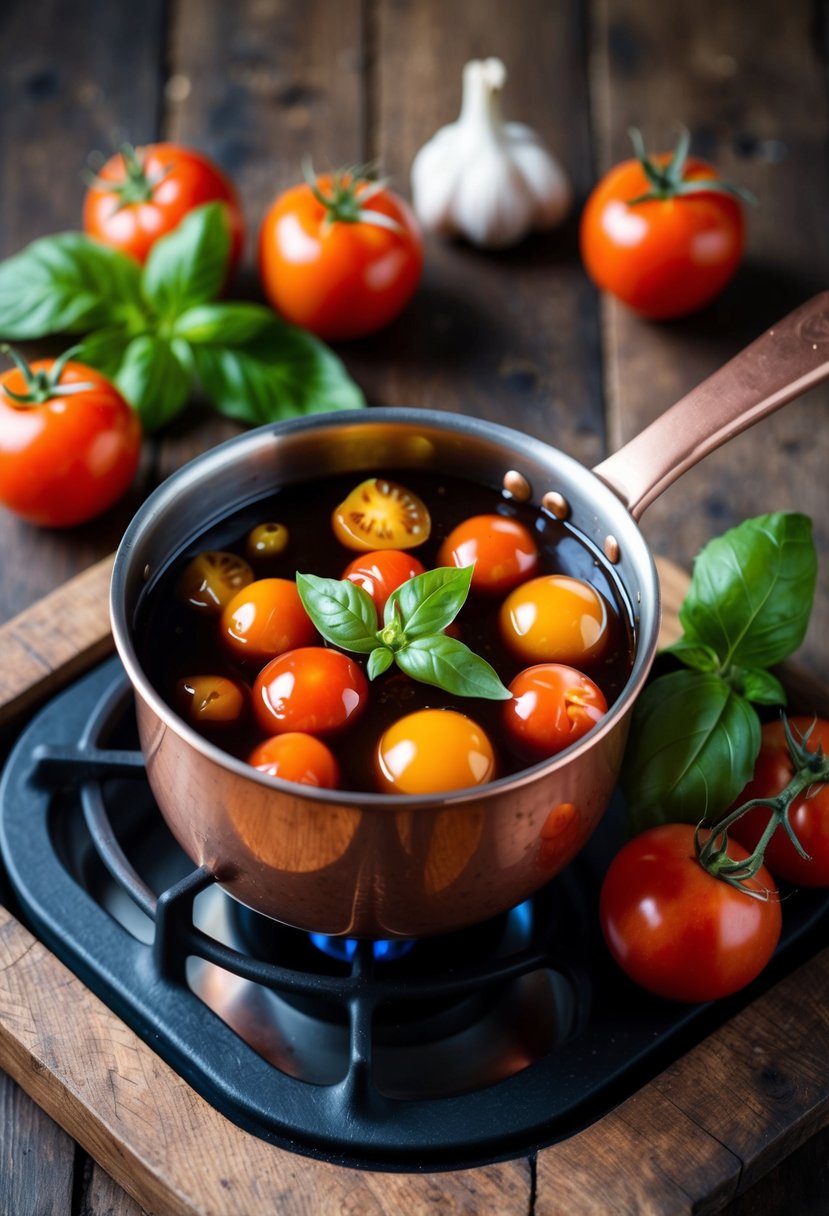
x: 297, y: 757
x: 501, y: 550
x: 382, y: 572
x: 667, y: 256
x: 808, y: 816
x: 265, y: 619
x: 555, y: 619
x: 678, y: 931
x: 332, y: 266
x: 65, y: 457
x: 142, y: 194
x: 313, y: 690
x: 552, y: 707
x: 432, y: 751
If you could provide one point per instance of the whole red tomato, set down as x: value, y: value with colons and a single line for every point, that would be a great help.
x: 311, y: 690
x: 552, y: 706
x: 808, y: 816
x: 66, y: 452
x: 678, y: 931
x: 142, y: 194
x: 382, y: 572
x: 653, y: 235
x: 340, y: 256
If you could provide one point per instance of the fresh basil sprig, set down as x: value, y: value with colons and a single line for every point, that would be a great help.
x: 155, y: 331
x: 411, y: 634
x: 695, y: 734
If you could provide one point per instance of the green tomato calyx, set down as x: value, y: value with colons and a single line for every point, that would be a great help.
x: 667, y: 181
x: 44, y: 384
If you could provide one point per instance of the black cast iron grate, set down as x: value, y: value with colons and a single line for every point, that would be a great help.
x: 411, y: 1063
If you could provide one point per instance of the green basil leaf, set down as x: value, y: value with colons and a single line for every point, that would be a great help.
x: 429, y: 602
x: 222, y: 324
x: 691, y: 751
x: 68, y: 284
x: 752, y: 589
x: 448, y: 664
x: 154, y: 380
x: 761, y: 687
x: 694, y: 654
x: 380, y: 660
x: 342, y: 612
x: 189, y: 266
x: 283, y: 373
x: 104, y: 349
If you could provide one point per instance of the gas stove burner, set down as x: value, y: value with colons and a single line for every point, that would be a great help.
x: 451, y: 1051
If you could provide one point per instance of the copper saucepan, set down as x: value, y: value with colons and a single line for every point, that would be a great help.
x: 371, y: 865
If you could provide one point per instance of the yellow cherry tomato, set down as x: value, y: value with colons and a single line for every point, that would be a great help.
x: 432, y: 751
x: 555, y: 619
x: 267, y: 540
x: 380, y: 514
x: 211, y: 580
x: 210, y: 700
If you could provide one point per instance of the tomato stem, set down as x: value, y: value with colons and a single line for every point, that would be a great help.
x: 668, y: 181
x: 811, y: 770
x: 350, y: 190
x: 136, y: 187
x: 42, y: 385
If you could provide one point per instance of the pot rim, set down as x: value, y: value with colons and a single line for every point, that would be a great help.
x: 226, y: 453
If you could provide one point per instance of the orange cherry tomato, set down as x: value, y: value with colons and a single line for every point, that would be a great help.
x: 265, y: 619
x: 808, y: 816
x: 326, y: 264
x: 211, y: 579
x: 555, y: 619
x: 667, y: 256
x: 297, y: 757
x: 432, y: 751
x: 65, y: 456
x: 311, y: 689
x: 142, y: 194
x: 381, y: 573
x: 552, y: 706
x: 380, y: 514
x: 211, y: 700
x: 501, y: 550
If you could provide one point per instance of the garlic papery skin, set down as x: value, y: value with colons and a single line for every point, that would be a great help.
x: 484, y: 179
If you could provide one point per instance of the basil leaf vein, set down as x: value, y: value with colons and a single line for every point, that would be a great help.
x: 449, y: 664
x: 341, y: 611
x: 430, y: 601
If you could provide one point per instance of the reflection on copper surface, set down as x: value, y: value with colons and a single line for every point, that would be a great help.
x: 561, y: 833
x: 290, y: 835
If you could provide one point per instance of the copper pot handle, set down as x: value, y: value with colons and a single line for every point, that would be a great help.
x: 787, y: 360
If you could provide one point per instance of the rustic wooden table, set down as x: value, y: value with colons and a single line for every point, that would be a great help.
x: 520, y: 337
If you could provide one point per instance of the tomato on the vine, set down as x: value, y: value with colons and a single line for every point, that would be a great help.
x: 142, y: 194
x: 677, y: 930
x: 808, y: 816
x: 339, y: 255
x: 69, y: 443
x: 310, y: 689
x: 501, y: 551
x: 664, y: 234
x: 552, y: 706
x: 382, y: 572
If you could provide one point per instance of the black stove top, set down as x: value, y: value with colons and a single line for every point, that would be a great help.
x: 453, y: 1051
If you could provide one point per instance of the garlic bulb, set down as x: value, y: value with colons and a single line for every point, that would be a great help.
x: 485, y: 179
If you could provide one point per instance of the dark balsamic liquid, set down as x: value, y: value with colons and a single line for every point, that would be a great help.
x: 174, y: 641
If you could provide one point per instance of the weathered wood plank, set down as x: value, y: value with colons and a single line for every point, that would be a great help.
x: 762, y: 118
x: 509, y: 336
x: 36, y: 1158
x: 65, y: 92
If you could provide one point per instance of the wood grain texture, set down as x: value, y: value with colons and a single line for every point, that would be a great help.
x: 761, y: 116
x: 36, y: 1158
x: 73, y: 79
